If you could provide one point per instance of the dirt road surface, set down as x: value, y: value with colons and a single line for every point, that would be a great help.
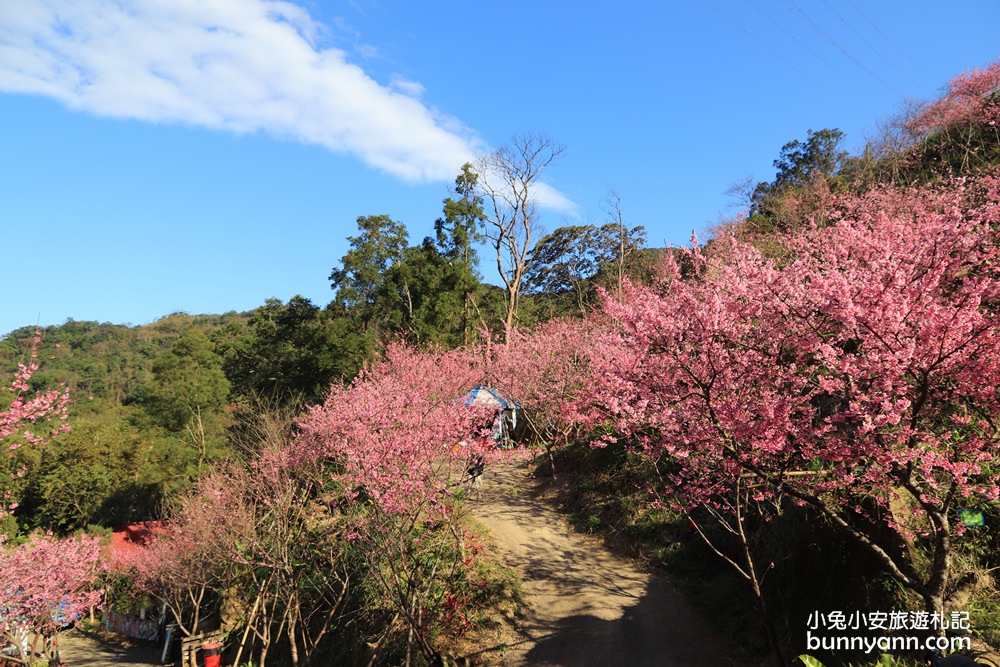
x: 80, y: 649
x: 585, y: 606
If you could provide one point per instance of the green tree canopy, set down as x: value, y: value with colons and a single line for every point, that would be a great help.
x: 373, y: 251
x: 285, y: 352
x: 820, y: 154
x: 188, y: 378
x: 798, y: 166
x: 425, y: 296
x: 458, y: 230
x: 570, y: 260
x: 187, y: 397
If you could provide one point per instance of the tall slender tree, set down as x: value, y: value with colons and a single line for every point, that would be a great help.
x: 508, y: 182
x: 458, y: 232
x: 358, y: 279
x: 622, y: 244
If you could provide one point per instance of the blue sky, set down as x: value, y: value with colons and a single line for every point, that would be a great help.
x: 205, y: 155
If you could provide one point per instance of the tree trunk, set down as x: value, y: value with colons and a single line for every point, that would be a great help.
x: 934, y: 604
x: 293, y: 612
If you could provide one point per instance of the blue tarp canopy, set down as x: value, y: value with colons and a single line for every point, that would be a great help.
x: 506, y: 419
x: 488, y: 398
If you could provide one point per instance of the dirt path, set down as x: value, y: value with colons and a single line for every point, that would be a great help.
x: 82, y: 649
x: 585, y: 606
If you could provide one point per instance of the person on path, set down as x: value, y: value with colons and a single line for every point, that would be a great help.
x: 475, y: 473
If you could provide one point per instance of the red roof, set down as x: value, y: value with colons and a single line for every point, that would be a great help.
x: 131, y: 536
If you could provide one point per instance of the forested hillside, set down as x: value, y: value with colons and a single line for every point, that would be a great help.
x: 799, y: 413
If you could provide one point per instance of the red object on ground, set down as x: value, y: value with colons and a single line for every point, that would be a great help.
x: 130, y: 537
x: 213, y: 654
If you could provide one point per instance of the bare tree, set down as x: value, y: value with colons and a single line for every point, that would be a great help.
x: 624, y: 243
x: 883, y: 157
x: 741, y: 192
x: 509, y: 183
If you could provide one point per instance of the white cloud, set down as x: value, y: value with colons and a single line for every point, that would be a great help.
x: 240, y: 66
x: 548, y: 197
x: 407, y: 87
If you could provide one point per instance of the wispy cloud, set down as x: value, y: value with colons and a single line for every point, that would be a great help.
x: 241, y: 66
x: 407, y: 87
x: 548, y: 197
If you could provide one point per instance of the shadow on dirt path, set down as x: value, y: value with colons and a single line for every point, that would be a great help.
x: 585, y: 606
x: 83, y: 649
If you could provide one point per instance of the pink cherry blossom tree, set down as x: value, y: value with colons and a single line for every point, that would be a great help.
x: 970, y: 97
x: 684, y: 377
x: 46, y: 584
x: 360, y: 506
x: 547, y: 372
x: 29, y: 419
x: 396, y: 440
x: 865, y: 368
x: 394, y: 432
x: 961, y: 129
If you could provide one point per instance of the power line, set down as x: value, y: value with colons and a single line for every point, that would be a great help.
x: 837, y: 46
x: 792, y: 35
x: 770, y: 50
x: 866, y: 42
x: 888, y: 39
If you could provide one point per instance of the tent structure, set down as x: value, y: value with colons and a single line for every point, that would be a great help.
x: 506, y: 422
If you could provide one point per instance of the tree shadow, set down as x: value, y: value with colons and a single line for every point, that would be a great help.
x: 87, y: 648
x: 132, y: 502
x: 654, y: 632
x: 588, y: 606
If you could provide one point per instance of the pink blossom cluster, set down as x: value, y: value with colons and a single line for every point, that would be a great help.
x: 401, y: 429
x: 547, y: 372
x: 18, y: 421
x: 25, y: 411
x: 971, y: 98
x: 46, y: 583
x: 869, y: 361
